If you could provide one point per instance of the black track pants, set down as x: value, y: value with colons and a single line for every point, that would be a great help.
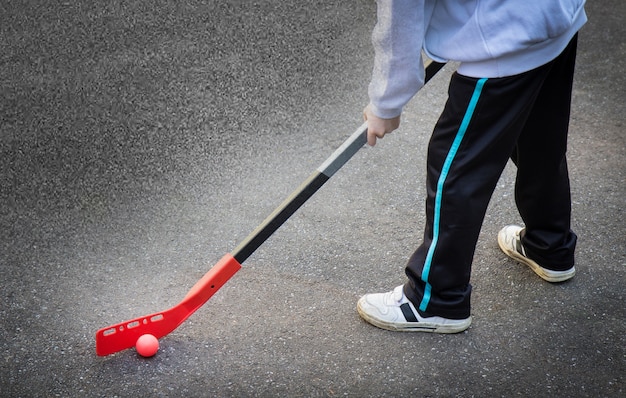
x: 484, y: 123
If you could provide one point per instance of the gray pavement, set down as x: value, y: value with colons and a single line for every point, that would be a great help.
x: 140, y: 141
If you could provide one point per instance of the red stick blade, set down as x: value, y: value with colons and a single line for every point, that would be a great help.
x: 124, y: 335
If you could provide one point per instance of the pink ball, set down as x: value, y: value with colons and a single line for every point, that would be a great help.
x: 147, y: 345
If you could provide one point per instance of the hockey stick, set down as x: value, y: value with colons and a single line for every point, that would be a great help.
x: 124, y: 335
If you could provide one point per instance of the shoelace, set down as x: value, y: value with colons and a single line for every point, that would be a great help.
x: 398, y: 294
x: 517, y: 244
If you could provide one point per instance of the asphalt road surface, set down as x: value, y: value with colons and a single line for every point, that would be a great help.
x: 141, y: 141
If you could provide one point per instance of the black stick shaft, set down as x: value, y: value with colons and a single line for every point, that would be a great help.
x: 314, y: 182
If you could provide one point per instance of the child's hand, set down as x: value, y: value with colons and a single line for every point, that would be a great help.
x: 377, y: 127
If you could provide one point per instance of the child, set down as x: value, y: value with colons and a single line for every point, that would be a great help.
x: 510, y: 98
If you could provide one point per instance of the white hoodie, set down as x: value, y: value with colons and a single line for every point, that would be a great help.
x: 490, y: 38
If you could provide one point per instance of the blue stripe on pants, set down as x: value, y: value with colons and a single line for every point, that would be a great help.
x: 442, y: 179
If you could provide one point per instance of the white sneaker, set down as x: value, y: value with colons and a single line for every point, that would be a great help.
x: 393, y: 311
x: 510, y: 243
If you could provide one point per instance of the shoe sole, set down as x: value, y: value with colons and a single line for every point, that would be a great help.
x: 545, y: 274
x: 425, y: 327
